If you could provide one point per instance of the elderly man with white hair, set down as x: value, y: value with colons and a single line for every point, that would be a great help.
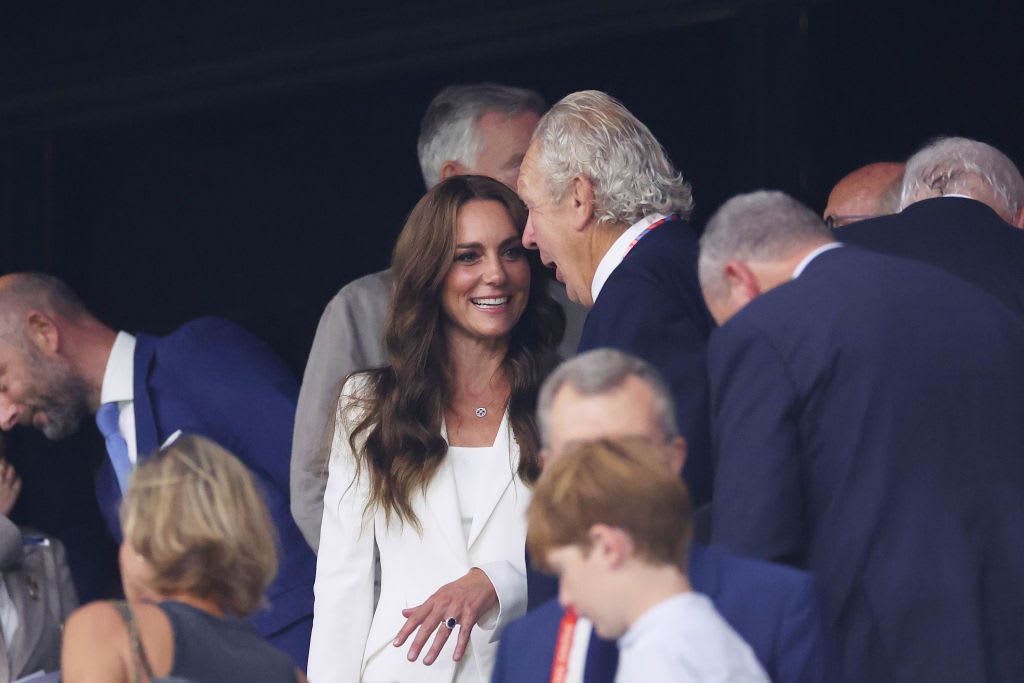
x: 962, y: 206
x: 608, y: 212
x: 869, y: 424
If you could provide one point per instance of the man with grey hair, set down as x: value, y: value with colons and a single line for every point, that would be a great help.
x: 481, y: 129
x: 963, y: 205
x: 608, y: 212
x: 868, y: 426
x: 606, y: 393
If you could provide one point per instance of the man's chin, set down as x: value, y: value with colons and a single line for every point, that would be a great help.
x: 56, y: 429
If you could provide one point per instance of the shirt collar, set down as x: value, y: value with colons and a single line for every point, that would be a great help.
x: 613, y: 257
x: 663, y: 616
x: 813, y: 255
x: 119, y: 377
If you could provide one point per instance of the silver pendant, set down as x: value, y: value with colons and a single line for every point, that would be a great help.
x: 481, y: 412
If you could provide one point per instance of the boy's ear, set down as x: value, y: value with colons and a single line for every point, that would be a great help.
x: 610, y: 545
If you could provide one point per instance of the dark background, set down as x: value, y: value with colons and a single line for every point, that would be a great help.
x: 247, y: 159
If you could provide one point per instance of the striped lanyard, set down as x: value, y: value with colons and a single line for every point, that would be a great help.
x: 652, y: 226
x: 563, y: 647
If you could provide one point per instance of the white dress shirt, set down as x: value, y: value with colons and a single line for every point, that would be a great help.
x: 613, y: 257
x: 118, y: 385
x: 578, y: 652
x: 685, y: 640
x: 806, y: 261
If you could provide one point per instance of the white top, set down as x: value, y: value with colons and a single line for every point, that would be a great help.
x: 685, y: 640
x: 468, y: 465
x: 813, y: 255
x: 118, y: 385
x: 613, y: 257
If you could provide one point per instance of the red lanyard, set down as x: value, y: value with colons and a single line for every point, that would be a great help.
x: 643, y: 233
x: 563, y: 646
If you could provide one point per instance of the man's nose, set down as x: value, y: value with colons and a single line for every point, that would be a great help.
x: 529, y: 237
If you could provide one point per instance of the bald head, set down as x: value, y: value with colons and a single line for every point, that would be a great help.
x: 872, y: 190
x: 24, y: 292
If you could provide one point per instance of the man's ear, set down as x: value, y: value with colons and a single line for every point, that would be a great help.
x: 676, y: 454
x: 612, y: 546
x: 43, y: 332
x: 452, y: 168
x: 580, y: 194
x: 743, y: 284
x: 1019, y: 220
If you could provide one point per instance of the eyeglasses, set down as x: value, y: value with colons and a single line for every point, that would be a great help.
x: 834, y: 222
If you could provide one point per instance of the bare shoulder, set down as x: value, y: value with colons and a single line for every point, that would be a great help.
x: 95, y: 645
x: 97, y: 620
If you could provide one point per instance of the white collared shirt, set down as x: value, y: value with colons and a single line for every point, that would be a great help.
x: 813, y: 255
x: 613, y: 257
x: 118, y: 385
x: 578, y: 653
x: 684, y: 640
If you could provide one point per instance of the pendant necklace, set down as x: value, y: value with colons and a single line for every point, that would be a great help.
x: 482, y: 410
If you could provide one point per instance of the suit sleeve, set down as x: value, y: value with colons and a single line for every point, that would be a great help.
x: 805, y: 652
x: 757, y: 503
x: 510, y: 586
x: 336, y: 353
x: 343, y: 609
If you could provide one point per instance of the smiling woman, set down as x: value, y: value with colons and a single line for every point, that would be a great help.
x: 433, y: 454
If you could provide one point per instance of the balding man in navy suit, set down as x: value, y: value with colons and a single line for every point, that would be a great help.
x: 869, y: 424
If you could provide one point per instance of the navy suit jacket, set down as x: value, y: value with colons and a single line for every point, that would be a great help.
x: 772, y: 607
x: 869, y: 420
x: 212, y: 378
x: 651, y: 306
x: 962, y: 236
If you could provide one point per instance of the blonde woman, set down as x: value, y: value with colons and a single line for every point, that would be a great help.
x: 197, y: 557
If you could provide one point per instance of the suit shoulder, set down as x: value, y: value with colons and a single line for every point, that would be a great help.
x: 545, y: 618
x: 202, y: 330
x: 773, y: 578
x: 375, y: 286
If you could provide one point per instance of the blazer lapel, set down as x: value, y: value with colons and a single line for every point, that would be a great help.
x: 27, y: 597
x: 497, y: 476
x: 441, y: 498
x: 146, y: 437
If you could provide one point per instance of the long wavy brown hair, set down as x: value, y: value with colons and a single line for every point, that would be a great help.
x: 406, y: 399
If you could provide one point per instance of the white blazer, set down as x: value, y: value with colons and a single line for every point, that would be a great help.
x: 351, y: 640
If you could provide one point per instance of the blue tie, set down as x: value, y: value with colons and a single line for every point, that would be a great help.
x: 117, y: 447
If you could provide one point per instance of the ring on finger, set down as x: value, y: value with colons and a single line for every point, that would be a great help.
x: 450, y: 623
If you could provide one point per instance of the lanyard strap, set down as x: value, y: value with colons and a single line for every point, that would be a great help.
x: 652, y: 226
x: 563, y: 647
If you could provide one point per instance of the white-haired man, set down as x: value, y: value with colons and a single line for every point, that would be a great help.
x: 481, y: 129
x: 608, y: 212
x: 962, y: 206
x: 868, y: 426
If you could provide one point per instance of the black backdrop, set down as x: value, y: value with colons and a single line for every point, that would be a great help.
x: 247, y: 159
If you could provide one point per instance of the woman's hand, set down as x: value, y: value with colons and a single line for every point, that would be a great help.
x: 467, y: 599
